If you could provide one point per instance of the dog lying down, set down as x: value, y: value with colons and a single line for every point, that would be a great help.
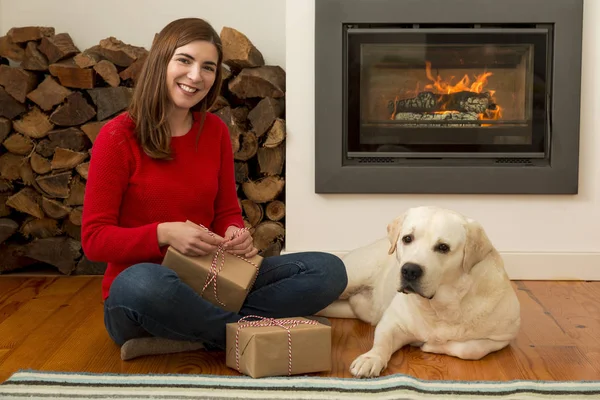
x: 438, y: 284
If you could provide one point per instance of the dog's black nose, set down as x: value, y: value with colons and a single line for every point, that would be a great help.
x: 411, y: 271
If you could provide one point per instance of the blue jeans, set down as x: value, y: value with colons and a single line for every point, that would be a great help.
x: 150, y: 300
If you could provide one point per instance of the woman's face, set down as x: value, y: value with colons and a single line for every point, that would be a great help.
x: 191, y: 73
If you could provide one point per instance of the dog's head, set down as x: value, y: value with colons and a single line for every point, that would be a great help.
x: 435, y: 246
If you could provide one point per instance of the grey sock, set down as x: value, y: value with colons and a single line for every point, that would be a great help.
x: 156, y: 345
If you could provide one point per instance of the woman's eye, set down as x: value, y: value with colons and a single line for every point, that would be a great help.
x: 210, y: 68
x: 443, y: 248
x: 407, y: 239
x: 183, y: 60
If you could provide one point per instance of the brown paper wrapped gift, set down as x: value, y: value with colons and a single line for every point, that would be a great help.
x: 263, y: 350
x: 233, y: 281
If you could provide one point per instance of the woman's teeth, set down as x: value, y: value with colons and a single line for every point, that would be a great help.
x: 187, y: 88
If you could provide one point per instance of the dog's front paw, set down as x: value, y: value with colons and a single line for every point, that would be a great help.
x: 367, y: 365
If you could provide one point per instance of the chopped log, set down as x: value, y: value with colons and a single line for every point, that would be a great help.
x: 132, y: 73
x: 87, y: 267
x: 5, y: 211
x: 40, y: 228
x: 270, y: 160
x: 70, y: 75
x: 110, y: 100
x: 66, y: 159
x: 275, y: 210
x: 9, y: 107
x: 70, y: 138
x: 240, y: 116
x: 55, y: 209
x: 5, y: 186
x: 266, y: 81
x: 92, y: 129
x: 12, y: 257
x: 11, y: 50
x: 274, y: 249
x: 248, y: 146
x: 108, y: 72
x: 27, y: 175
x: 34, y: 60
x: 263, y: 190
x: 452, y: 116
x: 429, y: 102
x: 17, y: 82
x: 266, y: 233
x: 61, y: 252
x: 225, y: 72
x: 56, y: 185
x: 39, y: 164
x: 75, y: 111
x: 7, y: 228
x: 119, y: 53
x: 71, y: 230
x: 34, y: 124
x: 5, y: 128
x: 254, y: 212
x: 75, y: 216
x: 88, y: 58
x: 219, y: 104
x: 27, y: 201
x: 48, y: 94
x: 241, y: 172
x: 238, y: 50
x: 29, y: 33
x: 264, y: 115
x: 276, y: 134
x: 76, y: 192
x: 18, y: 144
x: 10, y: 166
x: 82, y: 169
x: 234, y: 135
x: 58, y: 47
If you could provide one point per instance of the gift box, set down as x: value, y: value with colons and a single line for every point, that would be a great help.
x: 275, y: 347
x: 223, y: 279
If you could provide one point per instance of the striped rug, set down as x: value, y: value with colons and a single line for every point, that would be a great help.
x: 57, y: 385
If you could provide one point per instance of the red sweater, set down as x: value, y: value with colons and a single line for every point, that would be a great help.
x: 128, y: 193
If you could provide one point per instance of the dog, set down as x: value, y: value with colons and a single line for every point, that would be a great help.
x: 435, y: 282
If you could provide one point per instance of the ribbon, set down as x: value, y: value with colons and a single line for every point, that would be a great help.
x: 213, y: 272
x: 286, y: 324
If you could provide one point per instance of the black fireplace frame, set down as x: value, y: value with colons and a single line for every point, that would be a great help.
x: 334, y: 173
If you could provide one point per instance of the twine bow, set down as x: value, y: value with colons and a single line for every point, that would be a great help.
x: 286, y: 324
x: 213, y: 272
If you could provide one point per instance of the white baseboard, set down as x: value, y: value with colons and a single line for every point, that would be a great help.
x: 544, y: 266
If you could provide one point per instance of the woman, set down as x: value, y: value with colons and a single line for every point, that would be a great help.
x: 161, y: 163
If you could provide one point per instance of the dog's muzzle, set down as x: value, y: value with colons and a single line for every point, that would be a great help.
x: 410, y: 275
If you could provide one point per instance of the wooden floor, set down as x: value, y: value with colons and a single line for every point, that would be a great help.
x: 55, y: 324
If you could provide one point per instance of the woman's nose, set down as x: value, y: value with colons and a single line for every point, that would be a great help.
x: 195, y: 74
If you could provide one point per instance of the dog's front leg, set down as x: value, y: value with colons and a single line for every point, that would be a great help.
x: 389, y: 337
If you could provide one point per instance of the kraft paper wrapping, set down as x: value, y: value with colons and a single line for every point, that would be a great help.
x: 233, y: 282
x: 264, y: 350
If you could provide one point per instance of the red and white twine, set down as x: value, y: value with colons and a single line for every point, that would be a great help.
x: 286, y: 324
x: 213, y: 272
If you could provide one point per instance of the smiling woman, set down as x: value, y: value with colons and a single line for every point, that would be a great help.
x: 165, y: 161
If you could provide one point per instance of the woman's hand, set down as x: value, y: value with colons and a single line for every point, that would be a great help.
x: 239, y: 241
x: 188, y: 239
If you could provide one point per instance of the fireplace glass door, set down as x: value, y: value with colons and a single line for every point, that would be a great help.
x: 422, y: 92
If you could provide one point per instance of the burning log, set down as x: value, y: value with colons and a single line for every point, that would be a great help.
x: 445, y: 116
x: 429, y: 102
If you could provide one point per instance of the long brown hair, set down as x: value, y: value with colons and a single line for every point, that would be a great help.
x: 150, y: 104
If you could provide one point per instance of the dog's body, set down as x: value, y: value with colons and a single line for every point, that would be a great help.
x: 436, y: 282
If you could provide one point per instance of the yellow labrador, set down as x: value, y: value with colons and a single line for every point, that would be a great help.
x: 438, y: 283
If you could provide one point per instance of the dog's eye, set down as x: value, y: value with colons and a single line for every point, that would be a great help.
x: 407, y: 239
x: 442, y: 248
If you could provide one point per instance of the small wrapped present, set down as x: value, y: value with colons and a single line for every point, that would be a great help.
x: 278, y: 346
x: 222, y: 278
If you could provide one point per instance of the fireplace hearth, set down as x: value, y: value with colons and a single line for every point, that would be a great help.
x: 471, y: 98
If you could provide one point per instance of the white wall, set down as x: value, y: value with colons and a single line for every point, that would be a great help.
x: 540, y: 236
x: 136, y: 21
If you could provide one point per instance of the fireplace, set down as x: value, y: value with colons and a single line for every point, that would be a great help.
x: 447, y: 96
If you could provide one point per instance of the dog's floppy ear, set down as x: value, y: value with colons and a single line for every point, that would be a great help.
x: 477, y: 246
x: 393, y: 230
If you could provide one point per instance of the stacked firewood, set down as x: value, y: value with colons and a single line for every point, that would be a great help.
x: 54, y: 99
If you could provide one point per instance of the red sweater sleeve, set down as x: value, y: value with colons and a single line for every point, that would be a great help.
x: 102, y: 238
x: 227, y: 209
